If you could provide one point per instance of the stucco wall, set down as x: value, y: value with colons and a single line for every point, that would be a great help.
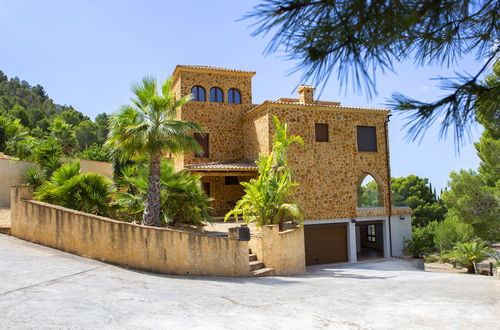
x: 283, y: 251
x: 401, y: 230
x: 92, y: 166
x: 11, y: 174
x: 152, y: 249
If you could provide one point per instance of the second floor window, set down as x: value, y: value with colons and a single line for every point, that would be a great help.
x: 321, y: 132
x: 367, y: 138
x: 202, y: 140
x: 233, y: 96
x: 216, y: 95
x: 198, y: 93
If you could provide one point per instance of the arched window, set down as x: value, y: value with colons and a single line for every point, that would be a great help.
x: 233, y: 96
x: 369, y: 193
x: 216, y: 95
x: 198, y: 93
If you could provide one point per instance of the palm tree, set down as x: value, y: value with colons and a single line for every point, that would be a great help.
x: 267, y: 199
x: 87, y: 192
x: 148, y: 128
x: 183, y: 200
x: 469, y: 254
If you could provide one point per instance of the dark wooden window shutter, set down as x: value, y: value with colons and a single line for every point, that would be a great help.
x: 367, y: 138
x: 321, y: 131
x: 202, y: 140
x: 231, y: 180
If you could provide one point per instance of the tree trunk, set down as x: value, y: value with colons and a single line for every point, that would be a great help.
x: 151, y: 216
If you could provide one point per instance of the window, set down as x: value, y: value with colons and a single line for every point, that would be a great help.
x: 206, y: 188
x: 202, y: 140
x: 372, y: 236
x: 198, y: 93
x: 367, y: 138
x: 369, y: 193
x: 216, y: 95
x: 231, y: 180
x: 321, y: 131
x: 233, y: 96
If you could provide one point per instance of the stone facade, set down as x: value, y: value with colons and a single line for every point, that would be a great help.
x: 329, y: 173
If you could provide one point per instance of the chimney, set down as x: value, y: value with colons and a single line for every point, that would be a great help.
x: 306, y: 94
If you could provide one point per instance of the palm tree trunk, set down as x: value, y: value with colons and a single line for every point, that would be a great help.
x: 151, y: 216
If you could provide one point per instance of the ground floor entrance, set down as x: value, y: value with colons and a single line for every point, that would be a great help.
x: 369, y: 240
x: 343, y: 241
x: 325, y: 243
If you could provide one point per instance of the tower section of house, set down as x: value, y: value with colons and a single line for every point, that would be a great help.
x: 220, y: 98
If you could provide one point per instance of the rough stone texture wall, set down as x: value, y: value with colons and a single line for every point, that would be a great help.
x: 225, y: 196
x: 220, y: 120
x: 283, y: 251
x: 256, y: 135
x: 152, y: 249
x: 329, y: 172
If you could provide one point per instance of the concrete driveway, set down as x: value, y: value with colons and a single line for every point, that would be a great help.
x: 44, y: 288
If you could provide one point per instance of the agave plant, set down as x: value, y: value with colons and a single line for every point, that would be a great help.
x: 182, y: 198
x: 469, y: 254
x: 87, y: 192
x: 267, y: 199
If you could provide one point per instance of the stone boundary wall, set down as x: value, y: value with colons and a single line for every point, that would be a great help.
x: 283, y: 251
x: 151, y: 249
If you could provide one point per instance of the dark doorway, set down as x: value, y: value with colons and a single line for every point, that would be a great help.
x: 369, y: 240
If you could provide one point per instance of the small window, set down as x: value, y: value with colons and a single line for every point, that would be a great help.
x: 233, y: 96
x: 206, y: 188
x: 372, y: 236
x: 367, y: 138
x: 216, y: 95
x: 198, y: 93
x: 202, y: 140
x: 321, y: 131
x: 231, y: 180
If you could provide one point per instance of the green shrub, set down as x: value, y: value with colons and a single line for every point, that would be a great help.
x: 468, y: 254
x: 95, y: 152
x: 183, y: 200
x: 422, y: 241
x: 87, y: 192
x: 450, y: 232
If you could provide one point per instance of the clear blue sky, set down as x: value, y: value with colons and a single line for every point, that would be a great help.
x: 88, y: 53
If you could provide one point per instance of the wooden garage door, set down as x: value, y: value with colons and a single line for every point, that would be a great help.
x: 325, y: 243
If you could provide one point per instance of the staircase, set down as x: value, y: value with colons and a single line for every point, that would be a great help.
x: 257, y: 268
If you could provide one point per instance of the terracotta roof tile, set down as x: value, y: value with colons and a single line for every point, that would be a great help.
x: 208, y: 67
x: 238, y: 165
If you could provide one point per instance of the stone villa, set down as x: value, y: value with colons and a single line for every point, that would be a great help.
x: 343, y: 145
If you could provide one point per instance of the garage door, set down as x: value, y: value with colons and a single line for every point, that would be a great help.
x: 325, y: 243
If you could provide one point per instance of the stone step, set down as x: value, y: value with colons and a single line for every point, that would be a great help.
x: 256, y: 265
x: 253, y: 257
x: 262, y: 272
